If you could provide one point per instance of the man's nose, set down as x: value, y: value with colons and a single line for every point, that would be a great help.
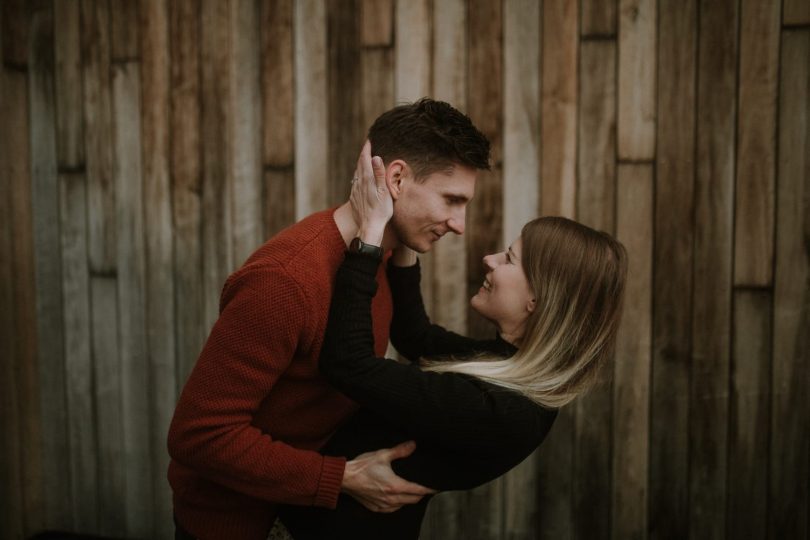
x: 456, y: 223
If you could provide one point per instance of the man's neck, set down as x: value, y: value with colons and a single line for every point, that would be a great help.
x: 348, y: 228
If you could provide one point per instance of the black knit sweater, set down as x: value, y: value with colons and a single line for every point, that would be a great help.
x: 467, y: 431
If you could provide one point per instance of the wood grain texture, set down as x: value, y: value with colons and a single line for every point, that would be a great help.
x: 672, y: 267
x: 376, y: 88
x: 311, y: 94
x: 68, y: 85
x: 636, y: 99
x: 245, y: 132
x: 346, y: 129
x: 81, y: 425
x: 596, y: 195
x: 412, y: 57
x: 159, y: 276
x: 749, y: 420
x: 790, y: 443
x: 47, y: 267
x: 796, y: 12
x: 756, y: 143
x: 124, y: 27
x: 598, y: 18
x: 558, y: 162
x: 377, y: 23
x: 95, y: 44
x: 711, y: 303
x: 15, y: 33
x: 131, y: 292
x: 631, y: 373
x: 186, y: 185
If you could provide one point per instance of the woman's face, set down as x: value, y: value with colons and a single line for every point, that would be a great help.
x: 505, y: 298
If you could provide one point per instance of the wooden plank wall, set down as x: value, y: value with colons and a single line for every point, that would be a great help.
x: 149, y: 145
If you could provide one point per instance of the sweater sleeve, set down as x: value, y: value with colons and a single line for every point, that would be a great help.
x: 450, y: 410
x: 412, y: 333
x: 249, y: 347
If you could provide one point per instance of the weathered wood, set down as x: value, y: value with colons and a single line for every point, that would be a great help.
x: 636, y: 99
x: 521, y: 104
x: 311, y: 112
x: 756, y: 143
x: 672, y: 267
x: 377, y: 23
x: 558, y: 162
x: 124, y: 26
x: 81, y: 425
x: 68, y: 89
x: 631, y: 390
x: 131, y: 283
x: 711, y: 303
x: 278, y: 107
x: 555, y: 478
x: 748, y: 414
x: 376, y: 89
x: 345, y: 80
x: 245, y: 132
x: 108, y: 409
x: 598, y: 18
x: 790, y: 442
x: 186, y: 176
x: 596, y: 195
x: 159, y: 282
x: 413, y: 52
x: 47, y: 267
x: 796, y: 12
x: 217, y: 240
x: 16, y: 31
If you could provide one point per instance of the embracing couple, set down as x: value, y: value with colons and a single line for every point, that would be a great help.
x: 292, y: 413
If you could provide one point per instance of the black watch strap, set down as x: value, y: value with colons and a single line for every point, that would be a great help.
x: 358, y: 246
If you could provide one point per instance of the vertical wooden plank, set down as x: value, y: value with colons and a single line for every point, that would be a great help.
x: 631, y: 379
x: 159, y: 282
x: 596, y: 197
x: 484, y: 510
x: 377, y: 23
x: 245, y: 144
x: 788, y: 491
x: 558, y: 162
x: 16, y: 33
x: 748, y: 415
x: 756, y: 143
x: 18, y: 172
x: 95, y: 46
x: 413, y: 52
x: 521, y: 188
x: 81, y: 425
x: 672, y: 267
x: 376, y: 89
x: 637, y: 55
x: 711, y: 304
x: 47, y: 267
x: 345, y: 80
x: 279, y: 121
x: 67, y: 78
x: 124, y: 27
x: 598, y: 18
x: 217, y: 248
x: 796, y: 12
x: 186, y: 176
x: 311, y: 120
x: 135, y: 372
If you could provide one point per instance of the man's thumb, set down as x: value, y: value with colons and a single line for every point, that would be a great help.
x: 402, y: 450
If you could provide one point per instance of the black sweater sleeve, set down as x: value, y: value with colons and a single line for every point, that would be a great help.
x: 453, y: 411
x: 412, y: 333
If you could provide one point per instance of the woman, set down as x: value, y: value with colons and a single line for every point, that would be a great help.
x: 476, y: 408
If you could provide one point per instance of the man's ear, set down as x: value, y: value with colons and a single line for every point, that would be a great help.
x: 396, y: 174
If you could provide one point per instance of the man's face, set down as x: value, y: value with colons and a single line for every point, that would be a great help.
x: 426, y: 210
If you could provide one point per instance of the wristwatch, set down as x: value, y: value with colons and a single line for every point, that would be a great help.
x: 358, y: 246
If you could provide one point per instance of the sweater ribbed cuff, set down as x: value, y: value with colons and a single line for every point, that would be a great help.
x: 330, y: 482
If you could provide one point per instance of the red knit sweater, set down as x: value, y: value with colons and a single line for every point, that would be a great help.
x: 255, y: 409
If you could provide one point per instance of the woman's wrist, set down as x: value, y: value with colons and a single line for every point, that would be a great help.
x: 371, y: 233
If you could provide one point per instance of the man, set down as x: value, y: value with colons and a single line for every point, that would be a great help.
x: 254, y: 410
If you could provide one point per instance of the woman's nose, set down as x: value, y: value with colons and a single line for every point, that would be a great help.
x: 490, y: 262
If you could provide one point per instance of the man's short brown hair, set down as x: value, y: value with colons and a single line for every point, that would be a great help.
x: 429, y: 136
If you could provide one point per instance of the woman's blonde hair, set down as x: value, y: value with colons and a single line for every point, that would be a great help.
x: 577, y: 275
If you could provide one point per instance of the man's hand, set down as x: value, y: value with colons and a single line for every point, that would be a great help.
x: 371, y: 481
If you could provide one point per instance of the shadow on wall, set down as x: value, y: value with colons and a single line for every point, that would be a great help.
x: 59, y: 535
